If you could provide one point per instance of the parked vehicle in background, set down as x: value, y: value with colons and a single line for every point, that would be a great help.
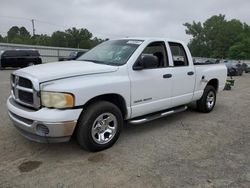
x: 72, y: 56
x: 234, y: 68
x: 19, y: 58
x: 133, y: 79
x: 202, y: 61
x: 246, y: 67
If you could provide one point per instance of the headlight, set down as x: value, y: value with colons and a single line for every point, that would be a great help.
x: 57, y: 100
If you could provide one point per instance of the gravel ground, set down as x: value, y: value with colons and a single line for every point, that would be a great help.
x: 188, y: 149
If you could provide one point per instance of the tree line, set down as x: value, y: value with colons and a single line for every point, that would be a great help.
x: 215, y: 38
x: 219, y: 38
x: 71, y: 38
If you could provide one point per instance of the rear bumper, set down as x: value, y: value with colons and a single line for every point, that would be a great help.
x: 44, y: 125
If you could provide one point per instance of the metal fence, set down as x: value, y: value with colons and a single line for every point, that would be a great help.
x: 48, y: 54
x: 51, y: 54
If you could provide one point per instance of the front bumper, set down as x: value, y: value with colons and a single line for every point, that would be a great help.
x: 44, y: 125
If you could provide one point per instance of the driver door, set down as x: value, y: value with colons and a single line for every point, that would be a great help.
x: 151, y: 87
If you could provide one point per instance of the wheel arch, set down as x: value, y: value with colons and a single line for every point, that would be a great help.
x: 114, y: 98
x: 215, y: 83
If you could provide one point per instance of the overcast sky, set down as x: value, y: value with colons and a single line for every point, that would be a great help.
x: 118, y: 18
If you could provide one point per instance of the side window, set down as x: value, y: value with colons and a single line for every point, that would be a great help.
x: 32, y: 53
x: 9, y: 53
x: 179, y: 54
x: 20, y: 53
x: 156, y: 50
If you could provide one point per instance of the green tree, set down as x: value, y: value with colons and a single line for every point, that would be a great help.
x: 13, y: 32
x: 197, y: 43
x: 96, y: 41
x: 79, y: 38
x: 23, y: 32
x: 216, y: 36
x: 240, y: 50
x: 59, y: 38
x: 19, y: 35
x: 72, y: 37
x: 42, y: 39
x: 1, y: 38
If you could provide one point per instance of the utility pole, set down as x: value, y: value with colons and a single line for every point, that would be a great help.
x: 33, y: 26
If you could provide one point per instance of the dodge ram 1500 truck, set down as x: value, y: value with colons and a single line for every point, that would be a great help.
x: 132, y: 80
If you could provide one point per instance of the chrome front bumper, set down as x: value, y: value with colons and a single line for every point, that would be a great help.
x: 44, y: 125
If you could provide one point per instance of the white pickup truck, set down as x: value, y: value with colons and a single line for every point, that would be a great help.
x: 133, y: 79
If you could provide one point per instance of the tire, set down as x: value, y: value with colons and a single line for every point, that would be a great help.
x: 93, y: 132
x: 208, y: 100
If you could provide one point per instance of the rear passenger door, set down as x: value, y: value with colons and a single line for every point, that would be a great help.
x: 183, y: 75
x: 23, y: 58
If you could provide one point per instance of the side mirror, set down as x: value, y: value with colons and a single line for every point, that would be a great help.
x: 138, y: 65
x: 146, y: 62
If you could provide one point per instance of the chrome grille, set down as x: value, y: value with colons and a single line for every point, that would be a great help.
x: 24, y: 90
x: 24, y: 82
x: 26, y: 96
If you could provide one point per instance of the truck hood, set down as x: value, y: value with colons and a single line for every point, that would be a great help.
x: 59, y: 70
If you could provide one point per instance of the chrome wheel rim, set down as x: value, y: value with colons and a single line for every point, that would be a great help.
x: 104, y: 128
x: 210, y: 99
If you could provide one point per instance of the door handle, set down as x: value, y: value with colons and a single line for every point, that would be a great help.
x: 167, y: 75
x: 190, y: 73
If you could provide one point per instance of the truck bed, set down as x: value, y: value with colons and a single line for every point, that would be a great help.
x: 206, y: 63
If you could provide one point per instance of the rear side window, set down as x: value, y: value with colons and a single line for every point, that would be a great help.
x: 20, y: 53
x: 179, y: 54
x: 32, y: 53
x: 10, y: 53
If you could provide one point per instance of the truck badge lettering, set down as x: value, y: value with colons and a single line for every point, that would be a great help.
x: 142, y: 100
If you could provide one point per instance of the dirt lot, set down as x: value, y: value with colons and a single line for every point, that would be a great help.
x: 188, y: 149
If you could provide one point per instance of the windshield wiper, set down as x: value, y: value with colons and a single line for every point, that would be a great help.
x: 100, y: 62
x: 89, y: 60
x: 86, y: 60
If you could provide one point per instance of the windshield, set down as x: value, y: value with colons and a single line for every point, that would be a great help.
x: 114, y: 52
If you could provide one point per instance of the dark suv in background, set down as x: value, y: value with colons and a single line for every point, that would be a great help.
x: 19, y: 58
x: 234, y: 68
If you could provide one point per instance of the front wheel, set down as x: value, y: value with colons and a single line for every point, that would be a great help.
x: 208, y: 100
x: 99, y: 126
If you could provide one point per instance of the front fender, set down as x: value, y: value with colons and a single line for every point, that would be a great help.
x: 84, y: 88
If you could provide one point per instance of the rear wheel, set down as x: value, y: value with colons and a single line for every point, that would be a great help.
x: 208, y: 100
x: 99, y: 126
